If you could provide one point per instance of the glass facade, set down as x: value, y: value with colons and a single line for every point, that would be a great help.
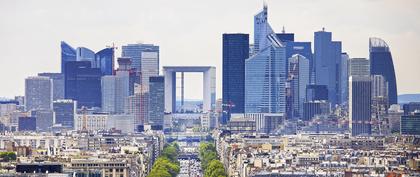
x: 156, y: 101
x: 235, y: 52
x: 68, y: 53
x: 104, y: 60
x: 65, y: 111
x: 327, y: 55
x: 381, y: 64
x: 265, y: 71
x: 360, y: 101
x: 299, y: 79
x: 134, y: 51
x: 83, y: 84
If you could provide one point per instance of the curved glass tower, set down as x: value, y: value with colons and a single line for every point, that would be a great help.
x: 68, y: 53
x: 381, y: 64
x: 105, y: 61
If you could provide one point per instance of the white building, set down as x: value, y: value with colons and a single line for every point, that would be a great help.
x: 115, y: 90
x: 91, y: 122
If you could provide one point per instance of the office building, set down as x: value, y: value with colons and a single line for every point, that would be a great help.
x: 149, y: 67
x: 85, y: 54
x: 235, y: 52
x: 104, y: 60
x: 156, y: 101
x: 124, y: 64
x: 83, y: 84
x: 314, y: 108
x: 115, y: 90
x: 343, y: 82
x: 358, y: 67
x: 266, y: 122
x: 38, y: 93
x: 68, y: 53
x: 265, y: 71
x: 121, y: 122
x: 394, y: 118
x: 134, y: 51
x: 360, y: 101
x: 65, y: 111
x: 327, y: 54
x: 411, y: 107
x: 27, y: 124
x: 299, y: 79
x: 382, y: 64
x: 410, y: 124
x: 44, y: 119
x: 91, y: 122
x: 136, y: 105
x: 58, y: 84
x: 316, y: 92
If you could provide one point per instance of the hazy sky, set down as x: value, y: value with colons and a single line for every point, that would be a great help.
x: 189, y: 32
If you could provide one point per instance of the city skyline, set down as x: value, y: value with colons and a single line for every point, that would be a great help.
x: 126, y: 24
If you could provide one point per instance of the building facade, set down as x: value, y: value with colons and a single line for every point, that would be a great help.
x: 65, y: 111
x: 299, y: 79
x: 38, y: 93
x: 360, y: 101
x: 156, y: 101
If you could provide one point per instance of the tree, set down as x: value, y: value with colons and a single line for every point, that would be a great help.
x: 215, y: 169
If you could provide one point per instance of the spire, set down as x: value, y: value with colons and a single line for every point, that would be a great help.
x: 283, y: 30
x: 265, y: 5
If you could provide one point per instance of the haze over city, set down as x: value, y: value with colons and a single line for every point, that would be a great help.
x: 189, y: 32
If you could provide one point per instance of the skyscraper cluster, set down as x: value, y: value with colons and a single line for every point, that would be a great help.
x: 276, y: 74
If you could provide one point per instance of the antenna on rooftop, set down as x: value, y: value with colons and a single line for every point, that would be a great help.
x: 283, y: 30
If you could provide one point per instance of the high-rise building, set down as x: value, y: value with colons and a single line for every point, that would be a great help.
x: 299, y: 79
x: 316, y: 92
x: 44, y: 119
x: 104, y: 60
x: 58, y: 84
x: 68, y: 53
x: 327, y: 54
x: 27, y: 124
x: 124, y: 64
x: 410, y: 124
x: 411, y: 107
x: 235, y: 52
x: 316, y: 107
x: 65, y: 110
x: 149, y: 67
x: 358, y: 67
x: 38, y: 93
x: 343, y: 82
x: 85, y: 54
x: 360, y: 99
x: 134, y: 51
x: 394, y: 118
x: 136, y: 105
x: 83, y: 84
x: 380, y: 103
x: 265, y: 71
x: 156, y: 102
x: 115, y: 90
x: 382, y: 64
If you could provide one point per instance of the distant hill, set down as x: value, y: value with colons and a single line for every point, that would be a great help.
x: 406, y: 98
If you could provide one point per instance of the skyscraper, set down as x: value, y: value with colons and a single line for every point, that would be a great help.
x: 265, y: 71
x: 58, y: 84
x: 359, y: 67
x: 149, y: 67
x: 382, y: 64
x: 343, y: 79
x: 156, y: 102
x: 124, y: 64
x: 83, y: 84
x: 299, y: 79
x: 327, y: 54
x: 360, y: 98
x: 115, y: 90
x: 134, y: 51
x: 65, y: 110
x: 38, y: 93
x: 235, y: 52
x: 68, y: 53
x: 85, y: 54
x: 104, y: 60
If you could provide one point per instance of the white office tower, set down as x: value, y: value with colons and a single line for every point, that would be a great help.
x: 38, y: 93
x: 115, y: 90
x: 299, y: 79
x: 149, y: 67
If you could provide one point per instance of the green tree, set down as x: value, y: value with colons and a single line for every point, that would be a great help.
x: 215, y: 169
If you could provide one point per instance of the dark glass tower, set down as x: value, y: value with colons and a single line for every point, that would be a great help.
x: 105, y: 61
x: 381, y: 64
x: 68, y: 53
x: 83, y: 84
x: 235, y: 52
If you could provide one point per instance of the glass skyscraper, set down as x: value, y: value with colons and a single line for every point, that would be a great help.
x: 360, y: 101
x: 327, y: 56
x: 235, y: 52
x: 381, y: 64
x: 83, y: 83
x: 156, y: 102
x: 299, y: 80
x: 38, y: 93
x: 134, y: 51
x: 68, y: 53
x: 104, y: 60
x: 265, y: 71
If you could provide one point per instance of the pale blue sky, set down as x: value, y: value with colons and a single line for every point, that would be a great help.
x: 189, y: 31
